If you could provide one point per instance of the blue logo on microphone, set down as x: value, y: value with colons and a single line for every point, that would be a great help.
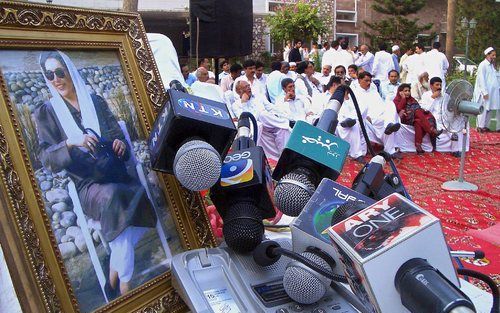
x: 236, y: 172
x: 203, y: 108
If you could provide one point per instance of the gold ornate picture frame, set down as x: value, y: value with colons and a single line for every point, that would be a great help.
x: 57, y: 252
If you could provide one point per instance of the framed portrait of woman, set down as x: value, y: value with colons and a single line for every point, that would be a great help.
x: 85, y: 224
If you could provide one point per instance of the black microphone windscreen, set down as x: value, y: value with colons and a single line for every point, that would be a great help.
x: 176, y: 85
x: 347, y: 209
x: 243, y: 229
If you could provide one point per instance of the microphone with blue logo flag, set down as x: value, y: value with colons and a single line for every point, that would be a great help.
x: 311, y: 153
x: 243, y: 195
x: 189, y: 137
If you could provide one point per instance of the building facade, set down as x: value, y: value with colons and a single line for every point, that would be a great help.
x: 172, y: 19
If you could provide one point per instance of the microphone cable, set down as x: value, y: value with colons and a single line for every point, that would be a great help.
x: 485, y: 278
x: 369, y: 146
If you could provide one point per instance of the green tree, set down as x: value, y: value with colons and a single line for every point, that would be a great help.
x: 296, y: 21
x: 396, y: 28
x: 486, y: 34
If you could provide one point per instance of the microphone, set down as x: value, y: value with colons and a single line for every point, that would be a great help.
x: 242, y: 196
x: 416, y: 279
x: 390, y: 264
x: 310, y: 228
x: 188, y: 138
x: 308, y: 277
x: 310, y: 154
x: 373, y: 182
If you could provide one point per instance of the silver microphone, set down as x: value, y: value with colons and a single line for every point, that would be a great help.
x: 197, y: 165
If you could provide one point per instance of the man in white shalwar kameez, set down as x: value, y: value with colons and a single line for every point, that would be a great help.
x: 415, y: 65
x: 382, y: 64
x: 348, y: 127
x: 436, y: 63
x: 486, y: 90
x: 274, y: 130
x: 436, y: 102
x: 381, y: 120
x: 291, y: 106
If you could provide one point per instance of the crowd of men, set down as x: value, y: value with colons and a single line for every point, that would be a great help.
x: 400, y: 95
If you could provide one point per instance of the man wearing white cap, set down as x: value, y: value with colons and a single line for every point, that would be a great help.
x: 436, y: 63
x: 486, y: 90
x: 396, y: 52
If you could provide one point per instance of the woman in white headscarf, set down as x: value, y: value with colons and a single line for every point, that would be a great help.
x: 118, y: 202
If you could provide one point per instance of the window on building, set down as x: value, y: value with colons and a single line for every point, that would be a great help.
x: 274, y: 5
x: 353, y: 38
x: 346, y: 16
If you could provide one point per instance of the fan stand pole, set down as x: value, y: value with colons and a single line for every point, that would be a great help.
x: 460, y: 184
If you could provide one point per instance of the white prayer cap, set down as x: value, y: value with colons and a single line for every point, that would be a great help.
x: 293, y: 64
x: 488, y: 50
x: 395, y: 48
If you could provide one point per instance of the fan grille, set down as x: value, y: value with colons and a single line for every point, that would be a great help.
x: 457, y: 91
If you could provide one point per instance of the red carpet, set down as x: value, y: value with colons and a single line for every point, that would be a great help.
x: 467, y: 218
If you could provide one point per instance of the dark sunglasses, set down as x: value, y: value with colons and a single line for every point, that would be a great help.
x: 59, y: 72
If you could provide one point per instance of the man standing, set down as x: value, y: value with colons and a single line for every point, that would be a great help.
x: 415, y: 64
x: 224, y: 66
x: 382, y: 63
x: 436, y: 63
x: 396, y: 52
x: 295, y: 55
x: 381, y: 118
x: 343, y: 56
x: 486, y: 90
x: 403, y: 68
x: 389, y: 88
x: 365, y: 60
x: 329, y: 57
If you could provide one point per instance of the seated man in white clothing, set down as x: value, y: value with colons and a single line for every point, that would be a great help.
x: 291, y: 106
x: 305, y: 83
x: 249, y: 77
x: 389, y: 88
x: 348, y: 129
x: 274, y: 130
x: 381, y: 119
x: 202, y: 87
x: 435, y: 101
x: 324, y: 76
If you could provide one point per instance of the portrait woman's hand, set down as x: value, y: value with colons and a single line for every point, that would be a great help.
x: 119, y: 147
x: 85, y: 140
